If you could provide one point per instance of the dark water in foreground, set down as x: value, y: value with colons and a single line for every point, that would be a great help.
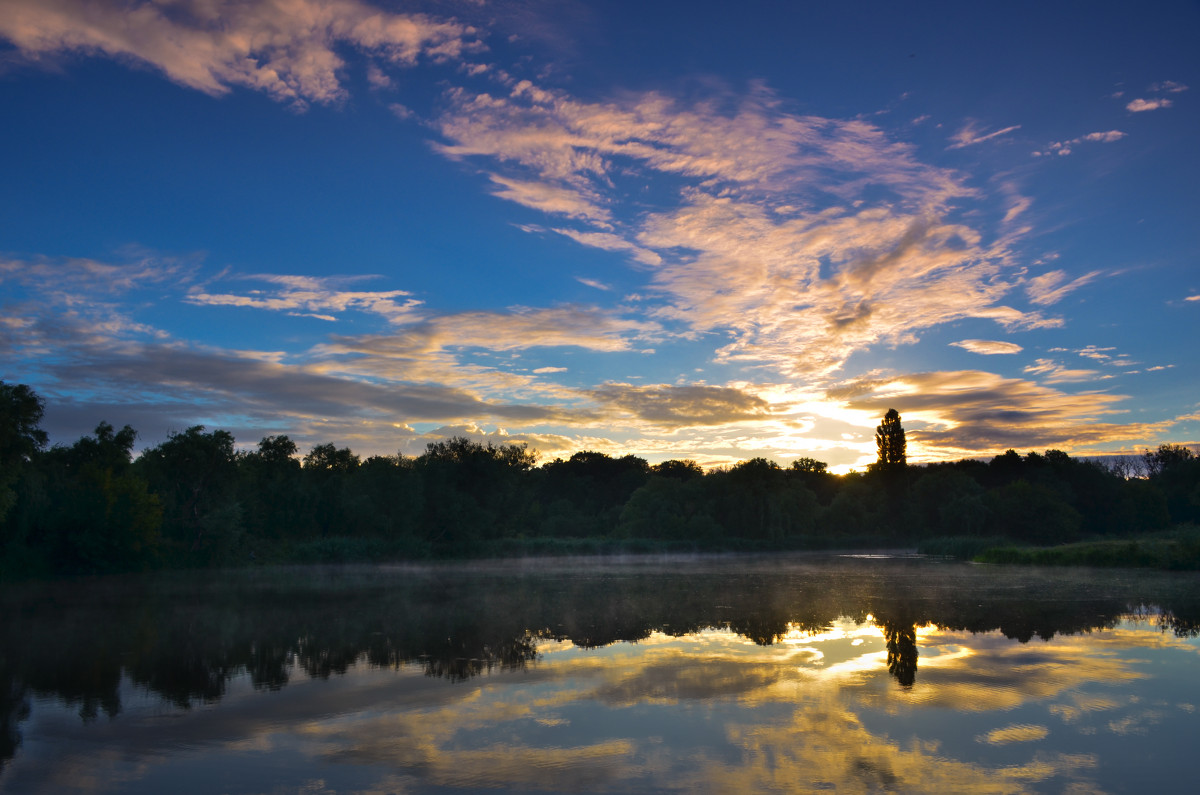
x: 790, y: 674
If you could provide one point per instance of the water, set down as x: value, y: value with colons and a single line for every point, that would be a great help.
x: 789, y: 674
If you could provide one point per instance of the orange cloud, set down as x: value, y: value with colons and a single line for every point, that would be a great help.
x: 286, y: 48
x: 988, y: 347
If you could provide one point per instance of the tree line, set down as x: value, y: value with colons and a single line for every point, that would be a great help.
x: 196, y: 500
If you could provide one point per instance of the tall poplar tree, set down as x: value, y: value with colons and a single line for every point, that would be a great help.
x: 889, y: 438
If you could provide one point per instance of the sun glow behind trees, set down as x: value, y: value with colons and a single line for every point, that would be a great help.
x: 195, y: 500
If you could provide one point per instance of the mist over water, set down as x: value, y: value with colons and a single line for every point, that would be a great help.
x: 711, y: 673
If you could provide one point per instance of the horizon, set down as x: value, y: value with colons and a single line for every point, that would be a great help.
x: 676, y: 235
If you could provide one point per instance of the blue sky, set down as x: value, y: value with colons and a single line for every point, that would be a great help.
x: 692, y: 230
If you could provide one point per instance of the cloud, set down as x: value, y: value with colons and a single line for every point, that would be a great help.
x: 805, y: 294
x: 90, y: 357
x: 83, y: 276
x: 581, y: 146
x: 1055, y: 373
x: 798, y: 239
x: 593, y: 284
x: 186, y: 382
x: 1142, y: 105
x: 1102, y: 355
x: 611, y: 242
x: 1192, y: 298
x: 543, y: 370
x: 378, y: 78
x: 285, y: 48
x: 970, y: 135
x: 988, y: 347
x: 521, y: 328
x: 1052, y: 287
x: 682, y: 406
x: 1101, y: 137
x: 452, y: 349
x: 311, y: 297
x: 967, y: 412
x: 1065, y: 147
x: 1099, y: 354
x: 1018, y: 206
x: 548, y: 198
x: 1168, y: 86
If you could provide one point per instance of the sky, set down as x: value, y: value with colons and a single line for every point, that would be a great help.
x: 678, y: 230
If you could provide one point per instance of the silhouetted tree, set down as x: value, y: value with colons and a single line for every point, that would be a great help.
x: 809, y: 465
x: 946, y: 501
x: 327, y: 458
x: 891, y: 443
x: 195, y: 475
x: 685, y: 469
x: 274, y: 504
x: 1175, y: 471
x: 584, y: 495
x: 473, y: 491
x: 670, y: 507
x: 21, y: 437
x: 1034, y: 513
x: 101, y: 516
x: 1165, y: 457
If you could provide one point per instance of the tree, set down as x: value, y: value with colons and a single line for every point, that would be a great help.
x: 680, y: 469
x: 20, y: 437
x: 1175, y: 471
x: 195, y: 475
x: 889, y: 438
x: 327, y: 458
x: 1165, y: 457
x: 101, y: 516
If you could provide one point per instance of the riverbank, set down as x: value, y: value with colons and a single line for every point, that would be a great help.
x: 1177, y: 549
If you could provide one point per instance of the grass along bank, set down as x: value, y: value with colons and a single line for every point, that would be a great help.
x: 1175, y: 549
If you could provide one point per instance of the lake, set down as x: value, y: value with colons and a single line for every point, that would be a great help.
x: 792, y: 673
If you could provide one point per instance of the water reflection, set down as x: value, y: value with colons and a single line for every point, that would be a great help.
x: 901, y: 651
x: 758, y: 671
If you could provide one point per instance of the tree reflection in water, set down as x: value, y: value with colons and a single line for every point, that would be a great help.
x: 901, y: 651
x: 185, y: 637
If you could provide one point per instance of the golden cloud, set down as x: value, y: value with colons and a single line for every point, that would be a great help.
x: 286, y: 48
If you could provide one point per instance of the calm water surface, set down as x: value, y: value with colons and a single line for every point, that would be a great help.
x: 791, y: 674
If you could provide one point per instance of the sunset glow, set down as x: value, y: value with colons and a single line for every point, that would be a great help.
x: 598, y: 226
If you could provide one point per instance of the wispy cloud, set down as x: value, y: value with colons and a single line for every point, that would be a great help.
x: 311, y: 297
x: 1063, y: 148
x: 988, y: 347
x: 286, y: 48
x: 1099, y: 354
x: 1142, y: 105
x: 610, y: 242
x: 1168, y: 86
x: 549, y: 198
x: 772, y: 240
x: 971, y: 134
x: 83, y: 276
x: 1054, y: 373
x: 1053, y: 286
x: 433, y: 350
x: 594, y: 284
